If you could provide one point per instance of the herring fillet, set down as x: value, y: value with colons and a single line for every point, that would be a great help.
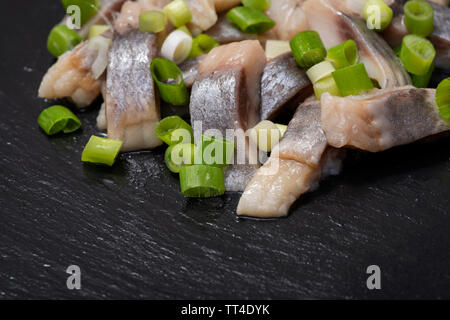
x: 283, y: 86
x: 335, y: 27
x: 381, y: 120
x: 289, y: 17
x: 132, y: 107
x: 71, y: 77
x: 189, y: 68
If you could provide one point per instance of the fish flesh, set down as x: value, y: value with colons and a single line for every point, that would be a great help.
x: 225, y: 5
x: 226, y: 32
x: 204, y: 15
x: 108, y: 8
x: 189, y: 68
x: 382, y: 119
x: 295, y: 166
x: 335, y: 27
x: 226, y: 95
x: 440, y: 37
x: 289, y: 17
x: 283, y: 87
x: 72, y: 77
x: 132, y: 107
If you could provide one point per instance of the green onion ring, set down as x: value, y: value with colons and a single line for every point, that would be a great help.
x: 250, y: 20
x: 308, y: 49
x: 101, y: 151
x: 419, y: 17
x: 58, y: 118
x: 202, y: 181
x: 352, y: 80
x: 173, y: 130
x: 417, y: 54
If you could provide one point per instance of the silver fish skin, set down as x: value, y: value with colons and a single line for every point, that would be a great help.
x: 382, y: 119
x: 440, y: 36
x: 225, y: 32
x: 335, y: 27
x: 189, y: 68
x: 132, y: 107
x: 288, y: 173
x: 283, y: 86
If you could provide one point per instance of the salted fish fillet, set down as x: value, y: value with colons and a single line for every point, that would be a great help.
x: 226, y: 95
x: 204, y: 15
x: 189, y: 68
x: 291, y: 171
x: 335, y: 27
x: 132, y: 107
x: 289, y: 17
x: 283, y: 86
x: 71, y: 77
x: 381, y: 120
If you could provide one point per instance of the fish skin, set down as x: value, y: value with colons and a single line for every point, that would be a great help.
x: 132, y: 107
x: 225, y: 32
x: 189, y: 68
x: 71, y: 77
x: 335, y: 27
x: 382, y: 119
x: 283, y: 86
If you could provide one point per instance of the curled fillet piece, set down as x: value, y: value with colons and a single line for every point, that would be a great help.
x: 71, y: 77
x: 381, y: 120
x: 132, y: 108
x: 335, y: 27
x: 283, y: 86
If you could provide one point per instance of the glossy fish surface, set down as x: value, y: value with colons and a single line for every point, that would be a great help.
x: 289, y: 17
x: 189, y: 68
x: 283, y: 86
x: 382, y: 119
x: 132, y: 108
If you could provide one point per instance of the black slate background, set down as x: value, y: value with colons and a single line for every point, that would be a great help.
x: 135, y: 236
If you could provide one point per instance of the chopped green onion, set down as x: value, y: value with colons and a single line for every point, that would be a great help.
x: 275, y: 48
x: 62, y: 39
x: 282, y: 128
x: 419, y: 17
x: 178, y: 13
x: 202, y: 44
x: 344, y: 54
x: 260, y: 5
x: 169, y: 79
x: 101, y: 151
x: 177, y: 46
x: 88, y: 8
x: 377, y: 14
x: 185, y: 30
x: 397, y: 50
x: 250, y: 20
x: 152, y: 21
x: 58, y: 118
x: 97, y: 30
x: 202, y: 181
x: 308, y: 49
x: 179, y: 155
x: 422, y: 81
x: 443, y: 98
x: 326, y: 85
x: 266, y: 135
x: 417, y: 54
x: 352, y: 80
x: 174, y: 130
x: 320, y: 71
x: 214, y: 151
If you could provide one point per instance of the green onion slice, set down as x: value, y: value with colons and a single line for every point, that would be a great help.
x: 419, y: 17
x: 179, y: 155
x: 344, y: 54
x: 97, y: 30
x: 214, y: 151
x: 88, y: 8
x: 58, y: 118
x: 152, y: 21
x: 202, y: 181
x: 185, y: 30
x: 62, y: 39
x: 173, y: 130
x: 101, y: 151
x: 260, y: 5
x: 326, y: 85
x: 250, y: 20
x: 178, y: 13
x: 202, y: 44
x: 308, y: 49
x: 169, y: 79
x: 377, y: 14
x: 265, y: 135
x: 352, y: 80
x: 417, y: 54
x: 443, y: 98
x: 422, y: 81
x: 320, y: 71
x: 282, y: 128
